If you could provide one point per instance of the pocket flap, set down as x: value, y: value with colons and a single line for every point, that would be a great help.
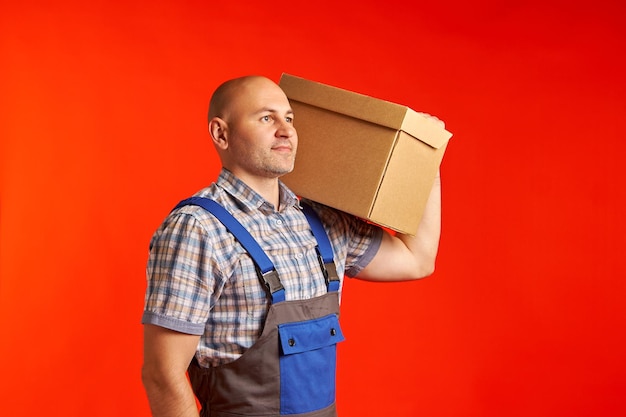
x: 308, y: 335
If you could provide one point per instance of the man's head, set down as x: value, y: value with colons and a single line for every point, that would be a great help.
x: 251, y: 125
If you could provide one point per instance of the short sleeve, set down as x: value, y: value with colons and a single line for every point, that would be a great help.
x: 180, y: 283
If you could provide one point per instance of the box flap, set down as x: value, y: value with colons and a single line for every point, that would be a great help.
x: 418, y: 126
x: 360, y: 106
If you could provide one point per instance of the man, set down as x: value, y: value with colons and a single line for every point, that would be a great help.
x: 208, y: 307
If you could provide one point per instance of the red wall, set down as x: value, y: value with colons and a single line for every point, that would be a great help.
x: 102, y: 126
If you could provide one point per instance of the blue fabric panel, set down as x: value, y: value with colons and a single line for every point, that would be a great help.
x: 308, y: 364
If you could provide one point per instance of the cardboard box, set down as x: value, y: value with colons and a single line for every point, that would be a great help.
x: 368, y: 157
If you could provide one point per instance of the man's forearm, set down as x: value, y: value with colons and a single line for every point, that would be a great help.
x: 170, y: 398
x: 425, y: 244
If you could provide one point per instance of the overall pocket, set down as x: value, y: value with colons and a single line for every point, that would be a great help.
x: 307, y: 364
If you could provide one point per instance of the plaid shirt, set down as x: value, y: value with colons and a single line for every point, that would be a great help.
x: 202, y: 282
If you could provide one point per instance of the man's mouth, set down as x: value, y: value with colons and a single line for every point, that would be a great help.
x: 282, y: 148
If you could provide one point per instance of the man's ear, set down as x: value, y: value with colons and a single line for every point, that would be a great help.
x: 218, y: 129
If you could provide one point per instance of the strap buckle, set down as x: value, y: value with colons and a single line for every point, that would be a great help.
x: 330, y: 272
x: 272, y: 282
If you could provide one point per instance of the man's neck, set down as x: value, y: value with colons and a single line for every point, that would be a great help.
x: 267, y: 188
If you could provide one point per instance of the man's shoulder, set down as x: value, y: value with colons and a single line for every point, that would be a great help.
x: 190, y: 209
x: 327, y: 214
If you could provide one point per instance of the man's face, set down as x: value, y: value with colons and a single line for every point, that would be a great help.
x: 262, y: 141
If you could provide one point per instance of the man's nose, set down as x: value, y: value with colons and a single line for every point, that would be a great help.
x: 285, y: 129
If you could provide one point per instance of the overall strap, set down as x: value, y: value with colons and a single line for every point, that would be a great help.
x: 324, y: 248
x: 266, y: 268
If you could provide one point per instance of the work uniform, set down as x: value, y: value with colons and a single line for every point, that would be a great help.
x: 202, y: 281
x: 290, y: 370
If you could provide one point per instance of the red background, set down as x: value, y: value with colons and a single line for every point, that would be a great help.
x: 102, y: 125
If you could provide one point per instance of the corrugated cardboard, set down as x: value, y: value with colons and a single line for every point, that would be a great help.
x: 368, y: 157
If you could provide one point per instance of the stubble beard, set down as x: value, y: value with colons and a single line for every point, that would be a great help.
x: 279, y: 166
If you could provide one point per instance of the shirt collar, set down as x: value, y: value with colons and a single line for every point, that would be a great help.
x: 247, y: 199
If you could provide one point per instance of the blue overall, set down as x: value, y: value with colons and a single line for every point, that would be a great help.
x: 290, y: 369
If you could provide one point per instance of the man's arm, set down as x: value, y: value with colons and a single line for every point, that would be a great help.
x: 167, y: 355
x: 403, y: 257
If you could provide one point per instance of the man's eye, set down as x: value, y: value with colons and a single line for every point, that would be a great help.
x: 265, y: 118
x: 289, y: 119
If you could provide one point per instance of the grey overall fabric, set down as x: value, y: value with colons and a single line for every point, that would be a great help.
x: 250, y: 385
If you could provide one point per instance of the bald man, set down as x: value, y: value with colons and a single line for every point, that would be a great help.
x: 244, y: 278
